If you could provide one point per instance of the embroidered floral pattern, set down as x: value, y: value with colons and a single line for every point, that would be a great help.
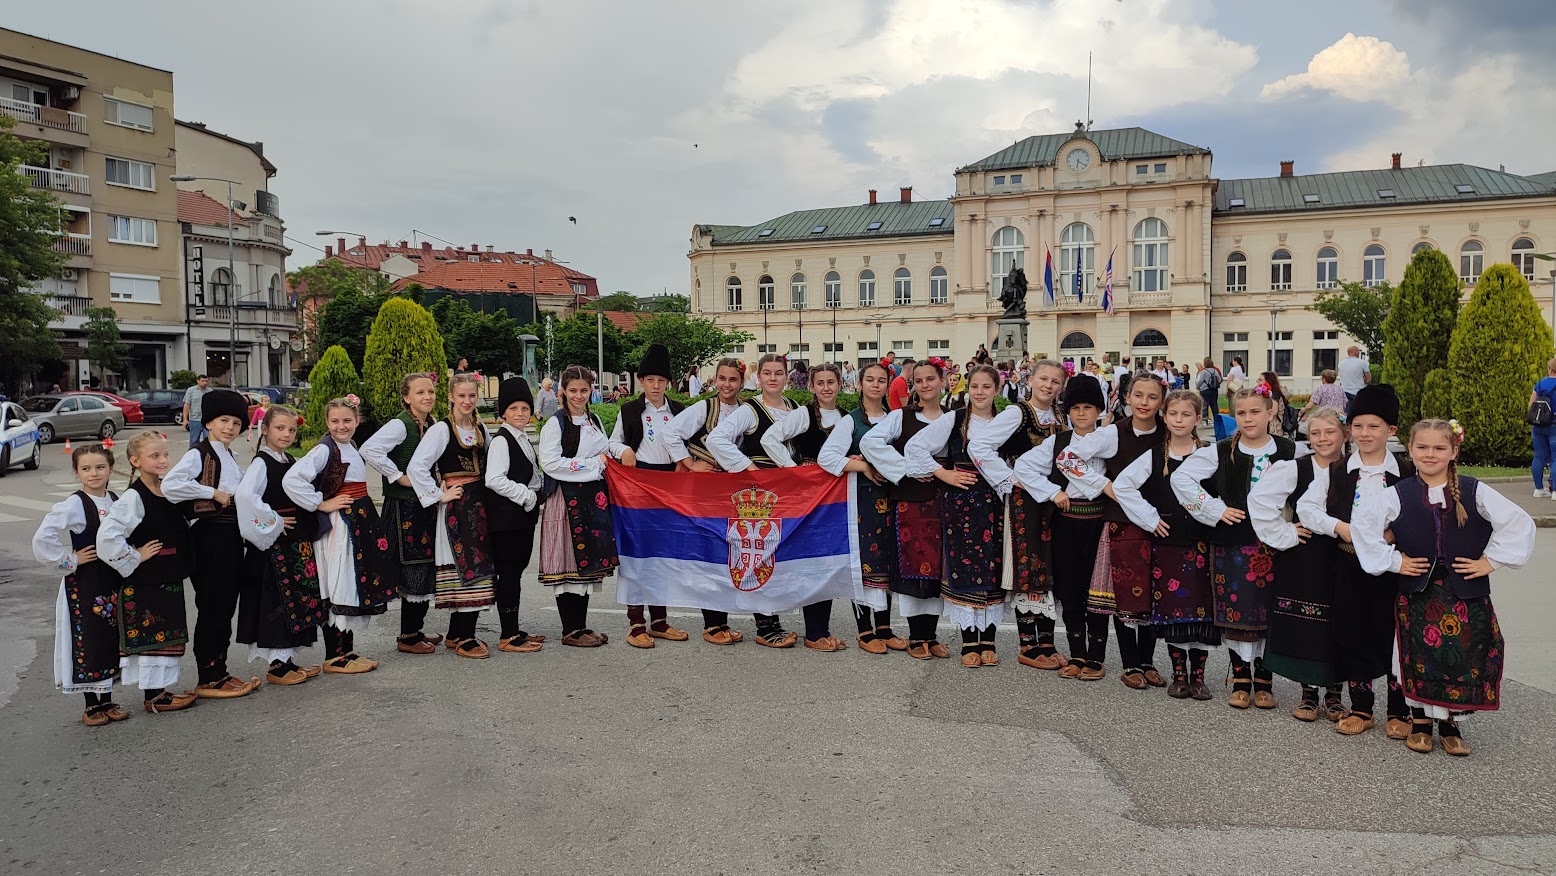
x: 973, y: 534
x: 1450, y: 649
x: 1242, y: 577
x: 877, y: 534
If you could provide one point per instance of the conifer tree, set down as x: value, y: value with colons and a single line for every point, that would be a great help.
x: 1437, y: 395
x: 404, y: 340
x: 1500, y: 347
x: 1418, y: 327
x: 333, y: 376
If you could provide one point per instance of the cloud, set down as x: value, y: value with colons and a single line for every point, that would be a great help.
x: 1359, y: 68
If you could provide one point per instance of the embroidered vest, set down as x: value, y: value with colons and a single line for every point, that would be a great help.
x: 1183, y: 529
x: 210, y: 476
x: 1231, y: 482
x: 502, y: 513
x: 632, y: 414
x: 165, y: 523
x: 460, y: 460
x: 807, y: 445
x: 1030, y: 433
x: 401, y: 457
x: 1430, y: 531
x: 697, y: 445
x: 332, y: 476
x: 751, y: 443
x: 1130, y: 448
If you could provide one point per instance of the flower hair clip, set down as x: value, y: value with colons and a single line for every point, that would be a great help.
x: 351, y: 399
x: 937, y: 362
x: 1457, y: 429
x: 1262, y: 389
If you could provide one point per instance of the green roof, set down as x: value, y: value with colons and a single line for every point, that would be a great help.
x: 1547, y: 178
x: 1432, y: 184
x: 842, y: 223
x: 1113, y: 143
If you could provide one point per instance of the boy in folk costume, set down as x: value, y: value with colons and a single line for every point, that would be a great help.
x: 514, y: 481
x: 639, y: 439
x: 203, y: 482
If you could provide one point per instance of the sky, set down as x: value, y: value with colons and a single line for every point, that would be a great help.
x: 493, y: 122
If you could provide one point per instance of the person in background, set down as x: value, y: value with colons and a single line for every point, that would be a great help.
x: 1271, y: 383
x: 1236, y: 377
x: 1354, y: 373
x: 693, y: 382
x: 1208, y: 383
x: 546, y: 403
x: 462, y: 366
x: 1544, y: 437
x: 192, y: 397
x: 897, y: 395
x: 890, y: 361
x: 850, y: 377
x: 1327, y: 394
x: 258, y: 415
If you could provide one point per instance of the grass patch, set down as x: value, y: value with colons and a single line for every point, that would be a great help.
x: 1481, y: 472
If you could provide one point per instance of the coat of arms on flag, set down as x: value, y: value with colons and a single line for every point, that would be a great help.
x: 753, y: 538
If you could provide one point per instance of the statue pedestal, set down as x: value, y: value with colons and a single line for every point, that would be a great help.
x: 1010, y: 339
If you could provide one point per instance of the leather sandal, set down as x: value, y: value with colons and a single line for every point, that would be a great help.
x: 414, y: 644
x: 919, y: 650
x: 1306, y: 711
x: 830, y: 643
x: 450, y: 643
x: 1334, y: 711
x: 519, y: 644
x: 350, y: 664
x: 475, y: 649
x: 871, y: 645
x: 1354, y: 724
x: 171, y: 702
x: 1154, y: 678
x: 939, y: 650
x: 970, y: 660
x: 892, y: 641
x: 434, y: 639
x: 312, y: 671
x: 785, y: 640
x: 534, y: 637
x: 1397, y: 728
x: 95, y: 717
x: 583, y: 639
x: 289, y: 677
x: 1263, y: 698
x: 116, y: 712
x: 1092, y: 672
x: 988, y: 657
x: 669, y: 633
x: 1178, y: 690
x: 638, y: 637
x: 721, y: 635
x: 1072, y: 669
x: 1420, y: 741
x: 227, y: 688
x: 1134, y: 679
x: 1198, y: 690
x: 1456, y: 746
x: 1240, y: 699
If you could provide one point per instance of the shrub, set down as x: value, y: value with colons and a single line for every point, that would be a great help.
x: 183, y: 378
x: 1500, y: 347
x: 332, y: 377
x: 1418, y: 328
x: 404, y: 340
x: 1437, y: 395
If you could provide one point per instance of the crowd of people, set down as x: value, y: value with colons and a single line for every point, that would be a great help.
x: 1332, y: 563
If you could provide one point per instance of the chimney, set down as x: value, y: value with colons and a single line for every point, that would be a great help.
x: 362, y: 242
x: 1287, y: 168
x: 530, y: 251
x: 906, y: 193
x: 328, y: 250
x: 426, y: 246
x: 872, y: 197
x: 1397, y: 156
x: 405, y: 244
x: 340, y: 245
x: 475, y: 247
x: 549, y: 256
x: 490, y: 248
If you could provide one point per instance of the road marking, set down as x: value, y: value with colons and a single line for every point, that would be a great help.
x: 6, y: 518
x: 31, y: 504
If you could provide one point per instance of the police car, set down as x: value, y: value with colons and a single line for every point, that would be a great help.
x: 19, y: 443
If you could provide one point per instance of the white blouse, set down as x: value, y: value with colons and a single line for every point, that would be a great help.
x: 1512, y: 529
x: 258, y: 523
x: 182, y: 483
x: 984, y: 446
x: 1205, y: 508
x: 1033, y: 468
x: 833, y: 455
x: 876, y: 447
x: 724, y: 441
x: 523, y: 494
x: 376, y: 450
x: 580, y: 469
x: 655, y: 447
x: 1313, y: 504
x: 685, y: 424
x: 113, y: 537
x: 433, y: 442
x: 1267, y: 505
x: 1127, y: 487
x: 794, y: 424
x: 298, y: 482
x: 51, y: 543
x: 930, y: 442
x: 1101, y: 444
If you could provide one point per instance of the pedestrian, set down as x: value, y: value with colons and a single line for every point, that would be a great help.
x: 1544, y: 436
x: 1354, y: 373
x: 462, y: 366
x: 546, y: 402
x: 898, y: 394
x: 192, y: 401
x: 1327, y: 394
x: 1283, y: 423
x: 258, y: 415
x: 513, y: 482
x: 693, y: 382
x: 1208, y: 384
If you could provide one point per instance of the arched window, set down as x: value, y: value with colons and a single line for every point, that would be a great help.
x: 221, y: 286
x: 1420, y: 246
x: 834, y: 289
x: 939, y: 286
x: 766, y: 293
x: 1523, y: 257
x: 1150, y: 262
x: 797, y: 291
x: 1009, y: 254
x: 866, y: 288
x: 732, y: 294
x: 1076, y: 341
x: 1374, y: 266
x: 1236, y: 272
x: 1328, y: 268
x: 1150, y: 338
x: 1280, y: 271
x: 1077, y: 246
x: 1472, y: 262
x: 902, y: 287
x: 275, y: 291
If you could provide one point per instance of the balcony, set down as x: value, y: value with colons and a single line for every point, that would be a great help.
x: 57, y: 180
x: 1091, y: 301
x: 249, y: 314
x: 44, y: 116
x: 69, y: 305
x: 1151, y: 299
x: 74, y: 244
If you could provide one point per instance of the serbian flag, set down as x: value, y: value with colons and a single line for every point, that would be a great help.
x: 1048, y: 277
x: 1107, y: 286
x: 764, y: 541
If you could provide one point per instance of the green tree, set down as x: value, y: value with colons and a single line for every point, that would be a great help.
x: 345, y: 320
x: 573, y: 343
x: 1500, y: 347
x: 183, y: 378
x: 332, y: 377
x: 690, y: 340
x: 1359, y: 311
x: 488, y: 341
x: 29, y: 227
x: 1437, y: 395
x: 404, y: 340
x: 672, y: 304
x: 1418, y: 327
x: 104, y: 347
x: 618, y: 301
x: 320, y: 285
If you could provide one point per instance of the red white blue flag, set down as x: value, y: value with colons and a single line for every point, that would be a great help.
x: 1048, y: 277
x: 1107, y: 285
x: 763, y: 541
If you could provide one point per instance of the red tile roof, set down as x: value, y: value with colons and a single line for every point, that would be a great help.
x: 372, y: 255
x: 198, y: 209
x: 544, y: 278
x: 624, y: 320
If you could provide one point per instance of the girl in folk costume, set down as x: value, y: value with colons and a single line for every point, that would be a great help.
x: 798, y: 439
x: 1022, y: 426
x: 145, y: 539
x: 972, y: 517
x: 1364, y: 605
x: 331, y: 479
x: 514, y: 482
x: 1076, y: 524
x: 1213, y: 485
x: 577, y: 543
x: 86, y: 640
x: 280, y: 609
x: 445, y: 472
x: 918, y: 575
x: 639, y: 439
x: 687, y: 441
x: 410, y: 528
x: 840, y: 454
x: 1450, y: 532
x: 737, y: 445
x: 202, y: 483
x: 1121, y: 579
x: 1301, y: 644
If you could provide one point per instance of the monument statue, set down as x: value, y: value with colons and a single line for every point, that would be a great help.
x: 1013, y: 295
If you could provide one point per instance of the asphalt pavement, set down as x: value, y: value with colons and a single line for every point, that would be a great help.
x: 695, y: 759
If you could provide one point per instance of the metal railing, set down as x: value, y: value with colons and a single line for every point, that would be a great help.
x: 69, y: 305
x: 61, y: 180
x: 46, y: 116
x: 73, y: 244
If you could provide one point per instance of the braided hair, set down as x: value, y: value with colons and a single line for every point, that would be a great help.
x: 1460, y: 515
x: 405, y: 389
x: 988, y: 371
x: 1188, y: 397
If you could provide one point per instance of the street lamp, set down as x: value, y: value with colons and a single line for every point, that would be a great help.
x: 1276, y: 306
x: 232, y: 279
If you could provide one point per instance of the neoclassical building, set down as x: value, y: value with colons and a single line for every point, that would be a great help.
x: 1200, y: 266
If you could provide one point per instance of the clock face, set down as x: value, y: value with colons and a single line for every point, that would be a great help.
x: 1078, y: 159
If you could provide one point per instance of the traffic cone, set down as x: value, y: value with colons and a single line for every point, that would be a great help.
x: 67, y: 445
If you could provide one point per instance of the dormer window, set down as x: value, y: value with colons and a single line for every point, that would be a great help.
x: 1464, y: 189
x: 765, y: 232
x: 1235, y: 202
x: 937, y: 222
x: 1309, y: 199
x: 818, y: 229
x: 873, y: 226
x: 1386, y: 193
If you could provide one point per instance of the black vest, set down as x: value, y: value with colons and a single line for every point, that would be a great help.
x: 502, y: 513
x: 459, y: 460
x: 572, y: 433
x: 631, y: 415
x: 1030, y: 433
x: 1130, y: 448
x: 1425, y: 530
x: 807, y: 445
x: 307, y: 526
x: 751, y: 443
x: 1304, y: 480
x: 210, y: 476
x: 1183, y: 529
x: 912, y: 489
x: 165, y: 523
x: 1341, y: 498
x: 94, y: 521
x: 1230, y: 484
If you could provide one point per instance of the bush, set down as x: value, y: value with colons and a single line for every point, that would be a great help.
x: 183, y: 378
x: 1418, y: 328
x: 1499, y: 350
x: 404, y: 340
x: 333, y: 377
x: 1437, y: 395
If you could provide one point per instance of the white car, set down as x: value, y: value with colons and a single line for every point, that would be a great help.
x: 18, y: 439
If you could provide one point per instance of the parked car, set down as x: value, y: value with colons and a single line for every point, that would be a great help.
x: 279, y: 395
x: 19, y: 442
x: 160, y: 405
x: 132, y: 411
x: 73, y: 416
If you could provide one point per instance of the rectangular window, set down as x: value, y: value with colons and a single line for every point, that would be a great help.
x: 799, y: 350
x: 1236, y: 202
x: 833, y: 352
x: 942, y: 348
x: 1015, y: 179
x: 999, y: 180
x: 1230, y: 353
x: 900, y: 347
x: 1326, y: 336
x: 1328, y: 273
x: 134, y: 288
x: 135, y: 174
x: 128, y: 229
x: 1282, y: 363
x: 764, y: 349
x: 867, y: 353
x: 126, y: 115
x: 1234, y: 337
x: 939, y: 288
x: 736, y: 350
x: 1325, y: 359
x: 1160, y: 168
x: 1142, y: 169
x: 867, y: 291
x: 873, y: 226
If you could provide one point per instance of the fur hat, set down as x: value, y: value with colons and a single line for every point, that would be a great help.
x: 655, y: 362
x: 223, y: 403
x: 1083, y: 390
x: 514, y: 389
x: 1378, y: 399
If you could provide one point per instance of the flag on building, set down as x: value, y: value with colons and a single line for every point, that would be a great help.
x: 1107, y: 285
x: 1048, y: 277
x: 1080, y: 292
x: 764, y: 541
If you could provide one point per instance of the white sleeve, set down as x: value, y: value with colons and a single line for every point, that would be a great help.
x: 298, y: 482
x: 1368, y: 523
x: 984, y: 448
x: 787, y: 428
x: 1033, y: 468
x: 724, y: 441
x: 182, y: 483
x: 1313, y: 504
x: 51, y: 543
x: 497, y: 477
x: 1205, y: 508
x: 433, y: 442
x: 578, y: 470
x: 683, y: 426
x: 258, y: 523
x: 1267, y: 499
x: 1081, y: 461
x: 1512, y: 529
x: 375, y: 451
x: 833, y: 454
x: 113, y: 536
x: 926, y: 444
x: 876, y: 447
x: 617, y: 445
x: 1126, y: 489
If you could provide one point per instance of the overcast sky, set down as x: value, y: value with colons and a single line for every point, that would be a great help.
x: 493, y: 122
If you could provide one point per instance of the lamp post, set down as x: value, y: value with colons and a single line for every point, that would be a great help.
x: 1276, y: 306
x: 232, y: 280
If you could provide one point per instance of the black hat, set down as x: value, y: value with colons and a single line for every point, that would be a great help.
x: 655, y: 362
x: 223, y: 403
x: 1378, y: 399
x: 514, y: 389
x: 1083, y: 389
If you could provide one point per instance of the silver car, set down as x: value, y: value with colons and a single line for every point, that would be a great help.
x: 72, y: 416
